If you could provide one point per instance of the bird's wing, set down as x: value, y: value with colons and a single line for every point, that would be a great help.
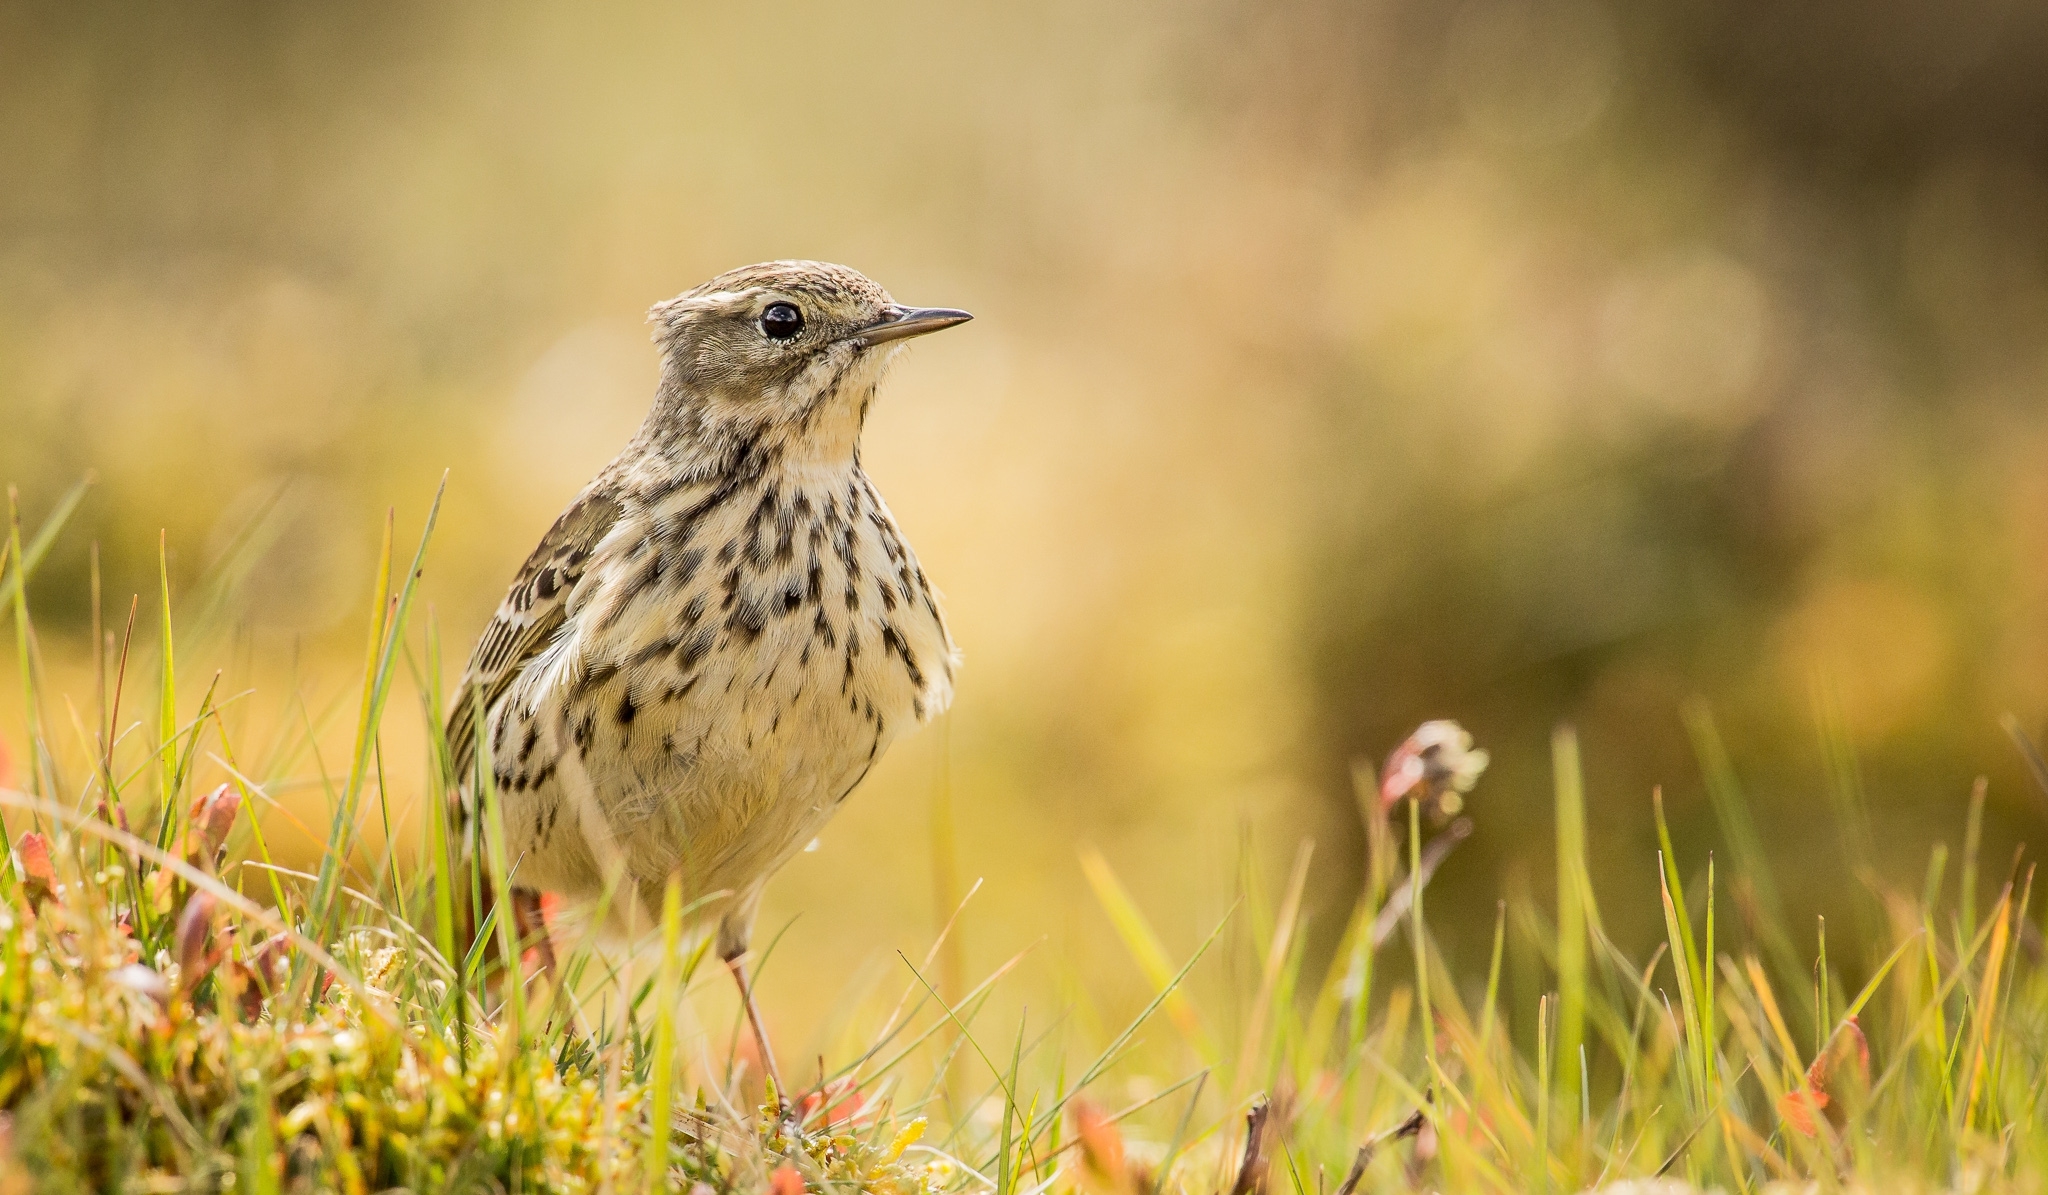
x: 528, y: 619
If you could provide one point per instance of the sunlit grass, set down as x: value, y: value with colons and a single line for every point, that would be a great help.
x: 178, y: 1011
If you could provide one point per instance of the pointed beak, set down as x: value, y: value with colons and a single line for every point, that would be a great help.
x: 900, y: 323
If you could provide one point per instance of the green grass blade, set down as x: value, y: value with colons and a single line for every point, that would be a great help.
x: 18, y: 561
x: 1973, y: 842
x: 23, y: 560
x: 1489, y: 1009
x: 18, y: 592
x: 669, y: 993
x: 388, y: 634
x: 1144, y: 946
x: 1573, y: 884
x: 1115, y: 1047
x: 167, y: 692
x: 1738, y: 830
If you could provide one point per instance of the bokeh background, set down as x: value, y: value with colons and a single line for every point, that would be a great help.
x: 1337, y: 366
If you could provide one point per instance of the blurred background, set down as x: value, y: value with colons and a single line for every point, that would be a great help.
x: 1338, y: 366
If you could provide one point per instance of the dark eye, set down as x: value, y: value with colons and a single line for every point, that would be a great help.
x: 781, y: 321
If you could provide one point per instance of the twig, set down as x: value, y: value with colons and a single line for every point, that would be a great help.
x: 1407, y: 1128
x: 1249, y: 1171
x: 1389, y: 919
x: 1686, y: 1142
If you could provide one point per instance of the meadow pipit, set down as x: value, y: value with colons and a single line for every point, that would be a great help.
x: 716, y: 640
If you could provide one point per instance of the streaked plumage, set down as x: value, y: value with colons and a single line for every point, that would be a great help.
x: 726, y: 628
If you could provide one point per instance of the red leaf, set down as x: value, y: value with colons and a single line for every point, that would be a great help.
x: 195, y: 927
x: 1848, y: 1047
x: 839, y: 1103
x: 266, y: 958
x: 1102, y: 1143
x: 38, y: 875
x: 785, y: 1180
x: 1797, y: 1108
x: 1847, y: 1043
x: 247, y: 989
x: 213, y: 818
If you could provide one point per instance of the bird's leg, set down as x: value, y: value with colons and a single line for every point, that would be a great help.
x: 738, y: 965
x: 530, y: 925
x: 530, y: 928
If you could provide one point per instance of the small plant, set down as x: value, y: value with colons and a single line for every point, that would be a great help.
x: 178, y: 1011
x: 164, y: 1030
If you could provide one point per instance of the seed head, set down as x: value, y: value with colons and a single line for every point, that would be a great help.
x: 1436, y: 765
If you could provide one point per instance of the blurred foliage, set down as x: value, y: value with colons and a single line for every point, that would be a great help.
x: 1339, y: 366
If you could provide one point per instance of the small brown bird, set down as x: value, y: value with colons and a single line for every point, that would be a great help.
x: 725, y: 629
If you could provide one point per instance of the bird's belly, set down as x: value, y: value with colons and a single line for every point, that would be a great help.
x: 721, y: 784
x: 726, y: 802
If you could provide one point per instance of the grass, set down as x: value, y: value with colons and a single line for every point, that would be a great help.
x: 178, y: 1012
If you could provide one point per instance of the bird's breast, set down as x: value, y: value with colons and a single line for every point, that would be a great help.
x: 742, y: 660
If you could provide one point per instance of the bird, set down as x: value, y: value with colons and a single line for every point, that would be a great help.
x: 720, y: 635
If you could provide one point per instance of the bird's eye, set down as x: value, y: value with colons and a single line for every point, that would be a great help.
x: 782, y: 321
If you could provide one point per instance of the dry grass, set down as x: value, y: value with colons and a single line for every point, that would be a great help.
x: 162, y: 1030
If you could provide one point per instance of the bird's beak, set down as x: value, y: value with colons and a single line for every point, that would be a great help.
x: 899, y: 323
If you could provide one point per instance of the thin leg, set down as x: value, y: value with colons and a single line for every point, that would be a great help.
x: 529, y: 925
x: 738, y: 964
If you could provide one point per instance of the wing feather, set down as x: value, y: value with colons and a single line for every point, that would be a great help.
x: 528, y: 619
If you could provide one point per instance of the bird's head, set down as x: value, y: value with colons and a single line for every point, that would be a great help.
x: 793, y: 348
